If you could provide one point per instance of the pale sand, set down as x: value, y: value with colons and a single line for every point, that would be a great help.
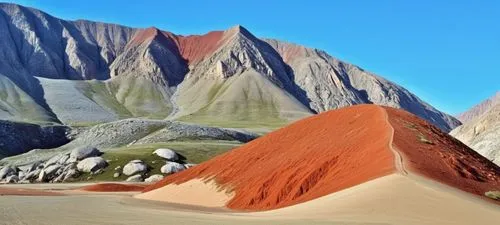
x: 393, y: 199
x: 194, y: 192
x: 396, y: 199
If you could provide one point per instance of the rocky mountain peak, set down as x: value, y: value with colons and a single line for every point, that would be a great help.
x: 151, y: 54
x: 145, y: 36
x: 238, y: 30
x: 240, y: 51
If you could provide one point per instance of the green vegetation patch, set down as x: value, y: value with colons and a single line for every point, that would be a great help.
x: 193, y: 152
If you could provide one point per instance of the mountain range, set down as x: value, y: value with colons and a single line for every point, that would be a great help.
x: 84, y: 72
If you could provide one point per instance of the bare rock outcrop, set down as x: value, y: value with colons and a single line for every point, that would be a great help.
x: 17, y: 138
x: 482, y: 134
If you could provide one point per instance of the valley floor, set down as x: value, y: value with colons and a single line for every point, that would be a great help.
x: 393, y: 199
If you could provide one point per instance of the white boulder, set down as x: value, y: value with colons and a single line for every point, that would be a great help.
x: 135, y: 178
x: 154, y: 178
x: 172, y: 167
x: 134, y: 167
x: 167, y: 154
x: 83, y: 152
x: 91, y: 164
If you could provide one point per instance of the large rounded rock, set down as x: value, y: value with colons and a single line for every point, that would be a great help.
x: 83, y: 152
x: 167, y: 154
x: 134, y: 167
x: 135, y: 178
x: 172, y: 167
x: 7, y: 171
x: 154, y: 178
x: 91, y: 164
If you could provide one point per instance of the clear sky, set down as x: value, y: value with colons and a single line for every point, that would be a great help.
x: 445, y: 51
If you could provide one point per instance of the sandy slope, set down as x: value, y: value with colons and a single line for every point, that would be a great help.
x: 393, y: 199
x: 194, y: 192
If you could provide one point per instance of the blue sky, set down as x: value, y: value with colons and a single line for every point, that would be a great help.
x: 446, y: 52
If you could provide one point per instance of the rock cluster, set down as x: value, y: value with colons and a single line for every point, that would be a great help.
x: 60, y: 168
x: 82, y: 160
x: 136, y: 170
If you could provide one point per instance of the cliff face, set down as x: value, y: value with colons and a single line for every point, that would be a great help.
x: 481, y: 132
x: 200, y: 77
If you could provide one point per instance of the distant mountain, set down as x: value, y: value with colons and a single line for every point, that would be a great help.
x: 481, y: 131
x: 479, y: 109
x: 75, y: 72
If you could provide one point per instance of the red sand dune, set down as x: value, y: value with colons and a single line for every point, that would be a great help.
x: 113, y: 187
x: 335, y: 150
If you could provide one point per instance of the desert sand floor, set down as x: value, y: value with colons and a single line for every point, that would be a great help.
x: 393, y: 199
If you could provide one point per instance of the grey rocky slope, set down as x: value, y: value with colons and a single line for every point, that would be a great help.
x: 480, y: 108
x: 221, y: 78
x: 17, y: 138
x: 129, y: 132
x: 482, y: 133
